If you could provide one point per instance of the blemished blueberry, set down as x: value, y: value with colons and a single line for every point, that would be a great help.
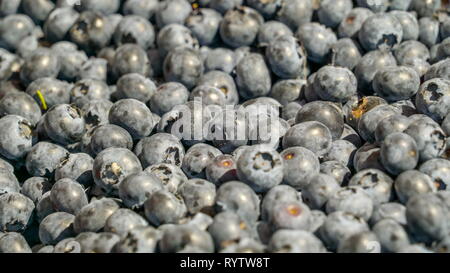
x: 160, y: 148
x: 130, y: 58
x: 278, y: 194
x: 325, y: 113
x: 204, y: 24
x: 299, y: 166
x: 379, y: 31
x: 390, y: 125
x: 351, y: 199
x: 350, y: 25
x: 396, y: 83
x: 375, y: 6
x: 171, y: 175
x: 439, y: 171
x: 320, y: 189
x: 221, y: 169
x: 286, y: 57
x: 295, y: 13
x: 93, y: 217
x: 180, y: 237
x: 172, y: 12
x: 363, y: 242
x: 240, y: 26
x: 144, y: 8
x: 345, y: 53
x: 34, y: 187
x: 109, y: 135
x: 317, y: 40
x: 260, y: 167
x: 68, y: 196
x: 134, y: 116
x: 368, y: 67
x: 42, y: 63
x: 56, y: 227
x: 13, y: 242
x: 197, y: 158
x: 112, y: 165
x: 271, y: 30
x: 295, y: 241
x: 238, y: 197
x: 340, y: 225
x: 337, y: 170
x: 392, y: 210
x: 432, y: 99
x: 141, y: 239
x: 64, y: 124
x: 411, y: 183
x: 429, y: 137
x: 312, y: 135
x: 134, y: 29
x: 331, y: 13
x: 123, y: 221
x: 183, y: 65
x: 426, y: 218
x: 13, y: 29
x: 164, y: 207
x: 374, y: 182
x: 96, y: 112
x: 16, y: 212
x: 44, y: 158
x: 136, y: 188
x: 391, y: 235
x: 198, y: 195
x: 16, y: 137
x: 399, y: 153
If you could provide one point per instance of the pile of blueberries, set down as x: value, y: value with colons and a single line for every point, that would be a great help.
x: 90, y: 91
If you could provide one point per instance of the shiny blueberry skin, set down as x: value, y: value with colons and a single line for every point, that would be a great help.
x: 172, y: 12
x: 67, y: 131
x: 68, y: 196
x: 312, y: 135
x: 93, y: 217
x: 351, y: 199
x: 391, y: 235
x: 34, y: 188
x: 183, y: 65
x: 286, y: 57
x: 197, y: 158
x: 138, y: 187
x: 56, y: 227
x: 320, y: 189
x: 130, y: 58
x: 171, y: 175
x: 390, y: 125
x: 396, y: 83
x: 368, y: 67
x: 432, y: 99
x: 44, y: 158
x: 399, y: 153
x: 429, y: 137
x: 179, y: 237
x: 141, y: 239
x: 160, y: 148
x: 21, y: 104
x: 317, y: 40
x: 300, y: 165
x: 198, y: 194
x: 294, y: 13
x: 16, y: 137
x: 438, y: 169
x: 13, y: 242
x: 13, y: 29
x: 380, y: 30
x: 240, y: 26
x: 135, y: 29
x: 253, y: 78
x: 374, y: 182
x: 164, y: 207
x: 331, y: 13
x: 204, y: 24
x: 123, y: 221
x: 76, y: 166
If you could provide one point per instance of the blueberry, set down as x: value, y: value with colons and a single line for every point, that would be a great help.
x: 9, y: 65
x: 53, y: 91
x: 345, y: 53
x: 409, y: 24
x: 144, y: 8
x: 370, y: 120
x: 136, y: 188
x: 351, y: 135
x: 16, y: 138
x: 349, y: 26
x: 20, y: 104
x: 342, y: 151
x: 68, y: 196
x: 439, y: 171
x: 175, y: 35
x: 96, y: 112
x: 399, y: 4
x: 204, y: 24
x: 167, y: 96
x: 13, y: 29
x: 278, y: 194
x: 391, y: 235
x: 352, y: 200
x: 429, y: 31
x: 44, y: 158
x: 134, y: 29
x: 339, y: 226
x: 164, y: 207
x: 366, y: 157
x: 183, y: 65
x: 271, y: 30
x: 91, y: 31
x: 102, y: 6
x: 394, y: 211
x: 286, y: 57
x: 375, y: 6
x: 130, y: 58
x: 396, y: 83
x: 431, y: 99
x: 289, y: 215
x: 287, y: 92
x: 67, y: 131
x: 13, y: 242
x: 374, y: 182
x: 300, y: 165
x: 9, y: 7
x: 171, y: 175
x: 222, y: 81
x: 209, y: 95
x: 38, y: 10
x: 390, y: 125
x: 198, y: 194
x: 364, y: 242
x: 34, y: 187
x: 399, y: 153
x: 179, y: 237
x: 141, y: 239
x: 123, y: 221
x: 337, y: 170
x: 56, y: 227
x: 317, y: 40
x: 427, y: 8
x: 94, y: 68
x: 221, y: 59
x: 239, y: 198
x: 105, y: 242
x: 380, y: 30
x: 429, y: 137
x: 160, y: 148
x: 368, y: 67
x: 172, y: 12
x: 240, y: 26
x: 69, y: 245
x: 16, y: 212
x: 294, y: 13
x: 42, y: 63
x: 134, y: 116
x: 109, y: 135
x: 321, y: 188
x: 197, y: 158
x: 44, y: 207
x: 331, y: 13
x: 221, y: 169
x: 93, y: 217
x: 226, y: 229
x: 312, y: 135
x: 58, y: 23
